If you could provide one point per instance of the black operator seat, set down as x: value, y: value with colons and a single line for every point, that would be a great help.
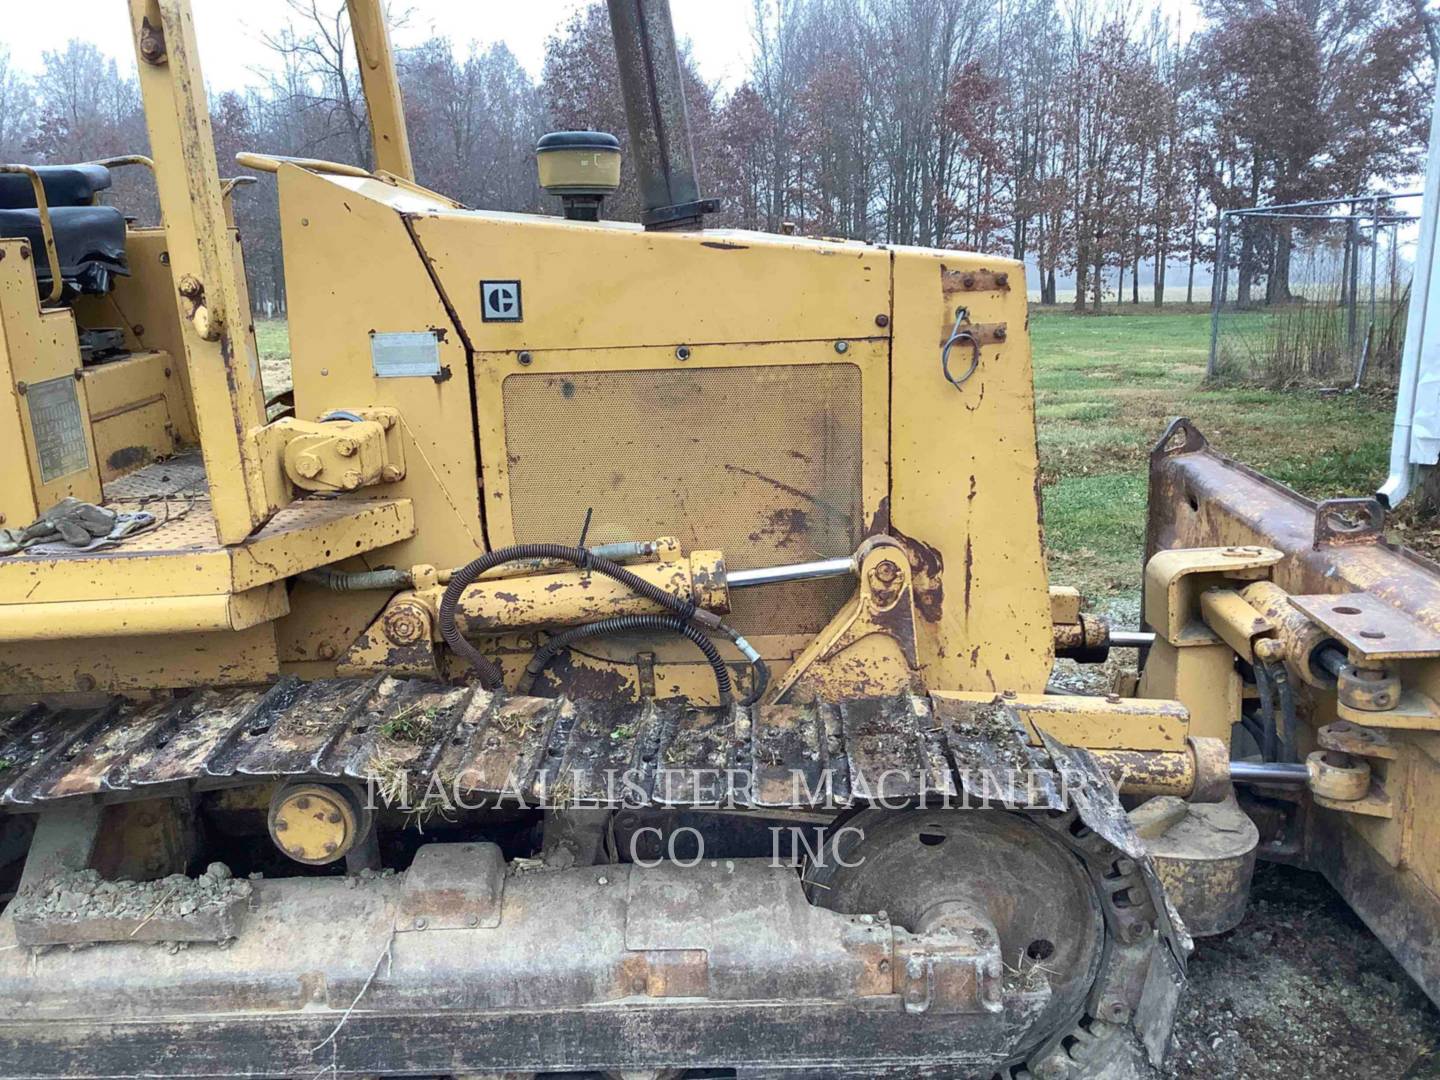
x: 89, y: 239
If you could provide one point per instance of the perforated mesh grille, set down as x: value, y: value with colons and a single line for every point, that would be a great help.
x: 762, y: 463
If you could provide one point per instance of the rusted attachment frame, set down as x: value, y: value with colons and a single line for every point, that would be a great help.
x: 1198, y: 497
x: 868, y: 649
x: 47, y: 228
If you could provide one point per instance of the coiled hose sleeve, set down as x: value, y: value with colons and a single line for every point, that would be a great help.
x: 357, y: 580
x: 467, y: 575
x: 628, y: 624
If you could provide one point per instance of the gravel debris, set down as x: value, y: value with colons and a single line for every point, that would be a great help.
x: 83, y: 894
x: 1301, y: 990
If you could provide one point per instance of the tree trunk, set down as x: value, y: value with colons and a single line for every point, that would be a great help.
x: 1162, y: 256
x: 1098, y: 285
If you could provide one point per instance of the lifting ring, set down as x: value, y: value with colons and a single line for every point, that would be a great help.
x: 958, y: 335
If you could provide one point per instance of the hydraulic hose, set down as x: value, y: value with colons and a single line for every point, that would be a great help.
x: 628, y: 624
x: 467, y: 575
x: 357, y: 580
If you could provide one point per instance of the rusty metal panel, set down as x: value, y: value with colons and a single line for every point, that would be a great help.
x: 989, y: 750
x: 763, y: 463
x: 180, y: 747
x: 603, y: 750
x: 696, y: 754
x: 294, y: 730
x: 789, y: 749
x: 1369, y: 627
x: 452, y: 887
x: 889, y: 755
x: 506, y: 740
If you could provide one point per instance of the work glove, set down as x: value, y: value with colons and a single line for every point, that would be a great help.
x: 82, y: 525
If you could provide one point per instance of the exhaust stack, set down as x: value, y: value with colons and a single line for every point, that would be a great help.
x: 655, y: 109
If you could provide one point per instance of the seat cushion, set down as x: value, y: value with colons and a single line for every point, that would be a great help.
x: 90, y: 241
x: 65, y: 185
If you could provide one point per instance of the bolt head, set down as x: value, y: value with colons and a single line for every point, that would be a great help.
x: 882, y: 320
x: 682, y: 352
x: 525, y: 358
x: 842, y: 347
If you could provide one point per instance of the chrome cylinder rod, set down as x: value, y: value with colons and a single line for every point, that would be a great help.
x: 775, y: 575
x: 1131, y: 639
x: 1268, y: 772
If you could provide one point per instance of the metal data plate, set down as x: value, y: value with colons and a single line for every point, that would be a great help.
x: 59, y: 429
x: 408, y: 354
x: 1368, y: 626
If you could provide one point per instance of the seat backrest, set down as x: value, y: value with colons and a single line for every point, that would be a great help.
x: 65, y: 185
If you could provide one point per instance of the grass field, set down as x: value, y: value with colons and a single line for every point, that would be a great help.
x: 1105, y: 388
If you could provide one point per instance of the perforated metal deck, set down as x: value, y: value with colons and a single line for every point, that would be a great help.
x: 181, y: 556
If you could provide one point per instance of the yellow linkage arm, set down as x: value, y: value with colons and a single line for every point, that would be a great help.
x: 382, y: 89
x: 204, y: 259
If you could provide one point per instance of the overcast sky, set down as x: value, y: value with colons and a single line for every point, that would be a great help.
x: 231, y: 45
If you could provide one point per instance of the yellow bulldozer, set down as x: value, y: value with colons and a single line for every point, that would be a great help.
x: 629, y: 652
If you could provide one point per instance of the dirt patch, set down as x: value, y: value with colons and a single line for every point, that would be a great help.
x: 1301, y: 989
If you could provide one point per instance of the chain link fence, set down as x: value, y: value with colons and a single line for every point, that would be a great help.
x: 1313, y: 294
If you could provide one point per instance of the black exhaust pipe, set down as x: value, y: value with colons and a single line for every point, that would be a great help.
x: 655, y: 110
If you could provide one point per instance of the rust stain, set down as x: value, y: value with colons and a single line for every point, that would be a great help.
x: 969, y: 572
x: 927, y: 567
x: 783, y: 527
x: 591, y: 678
x: 128, y: 457
x: 880, y: 521
x: 780, y: 485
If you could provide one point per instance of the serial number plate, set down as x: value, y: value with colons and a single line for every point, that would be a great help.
x: 408, y: 354
x: 59, y: 428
